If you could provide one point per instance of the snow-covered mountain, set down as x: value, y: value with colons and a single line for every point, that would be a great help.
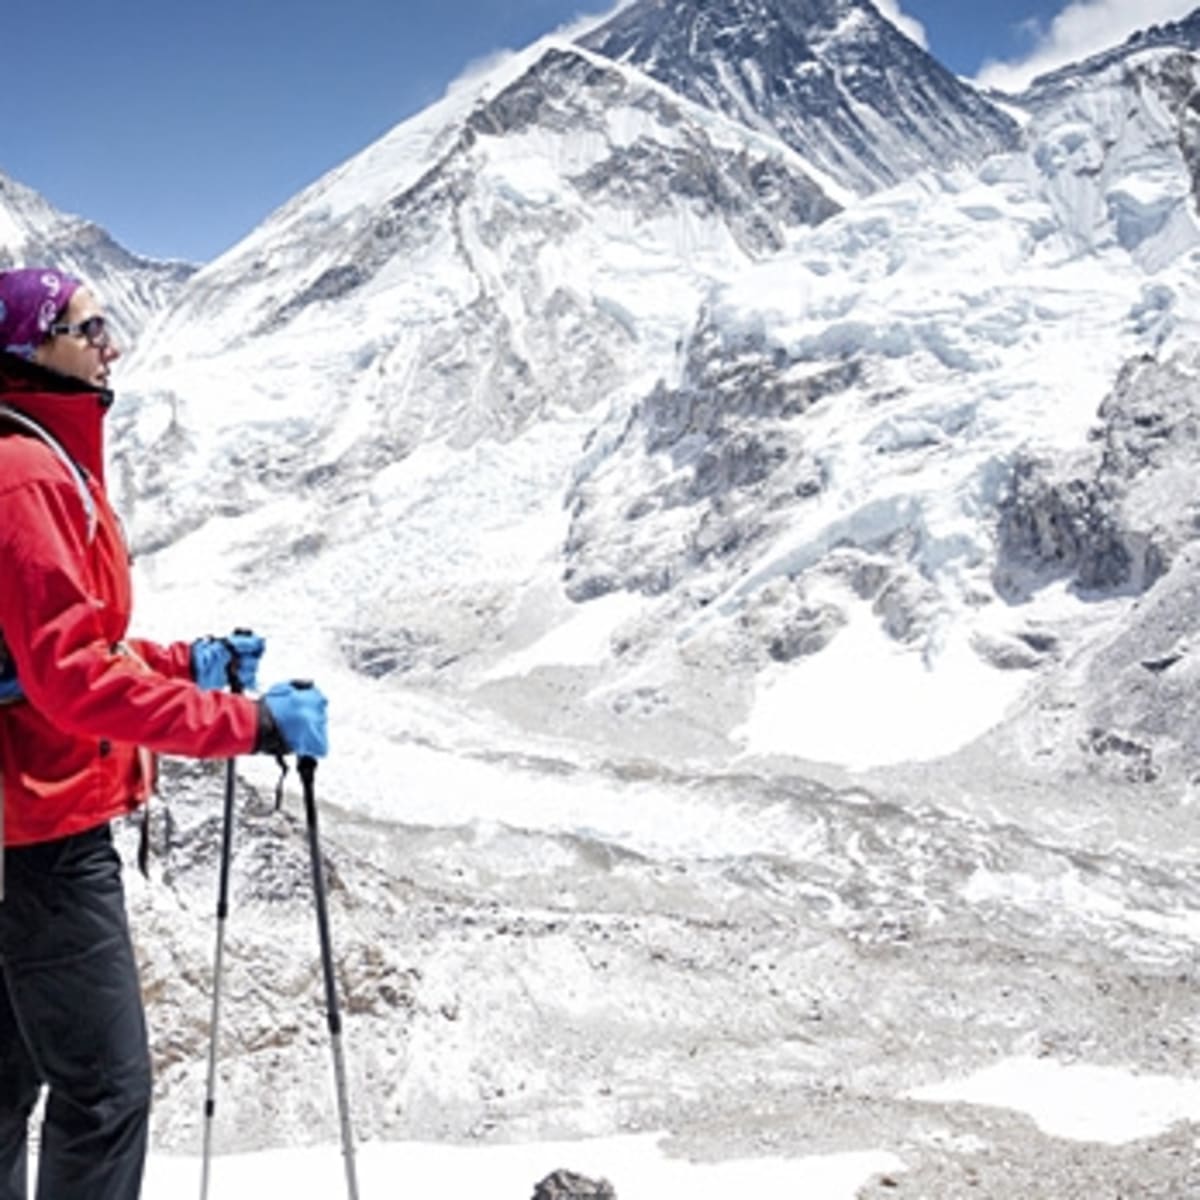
x: 1182, y: 35
x: 894, y: 435
x: 759, y: 620
x: 527, y: 251
x: 832, y: 78
x: 569, y: 357
x: 134, y: 289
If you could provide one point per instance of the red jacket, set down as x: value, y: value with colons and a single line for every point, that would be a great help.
x: 69, y: 757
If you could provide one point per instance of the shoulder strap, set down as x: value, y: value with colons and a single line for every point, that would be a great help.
x: 28, y: 425
x: 10, y: 686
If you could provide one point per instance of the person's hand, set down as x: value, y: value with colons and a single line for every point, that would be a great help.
x: 292, y: 720
x: 228, y: 662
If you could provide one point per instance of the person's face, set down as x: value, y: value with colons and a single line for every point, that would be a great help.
x: 74, y: 354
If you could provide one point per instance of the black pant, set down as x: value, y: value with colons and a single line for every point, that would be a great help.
x: 71, y: 1018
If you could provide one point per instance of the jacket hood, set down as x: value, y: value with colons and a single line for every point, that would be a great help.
x: 69, y: 409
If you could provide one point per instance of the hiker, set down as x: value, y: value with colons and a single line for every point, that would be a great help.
x: 82, y: 710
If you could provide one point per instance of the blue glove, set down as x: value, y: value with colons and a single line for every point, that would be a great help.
x: 222, y: 662
x: 297, y: 711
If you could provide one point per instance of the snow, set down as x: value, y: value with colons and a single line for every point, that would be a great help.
x: 866, y: 701
x: 998, y: 304
x: 11, y: 232
x: 582, y: 639
x: 1076, y: 1101
x: 1079, y: 1101
x: 991, y: 309
x: 638, y: 1167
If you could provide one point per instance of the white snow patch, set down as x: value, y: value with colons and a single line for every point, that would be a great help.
x: 636, y: 1166
x: 583, y: 639
x: 1080, y: 1102
x: 867, y: 701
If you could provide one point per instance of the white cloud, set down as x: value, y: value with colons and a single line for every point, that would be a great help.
x: 591, y: 16
x: 1082, y: 28
x: 909, y: 26
x: 478, y: 69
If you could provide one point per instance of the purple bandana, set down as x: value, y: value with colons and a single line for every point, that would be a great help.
x: 30, y: 299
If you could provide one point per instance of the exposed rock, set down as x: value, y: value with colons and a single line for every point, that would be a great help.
x: 1006, y: 654
x: 1113, y: 518
x: 1051, y: 527
x: 1151, y: 418
x: 566, y: 1185
x: 903, y: 606
x: 837, y: 73
x: 1134, y: 760
x: 715, y: 450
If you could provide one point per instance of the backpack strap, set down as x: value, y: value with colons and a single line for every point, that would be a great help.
x: 10, y: 687
x: 27, y: 425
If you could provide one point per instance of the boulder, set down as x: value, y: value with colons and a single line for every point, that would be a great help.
x: 566, y: 1185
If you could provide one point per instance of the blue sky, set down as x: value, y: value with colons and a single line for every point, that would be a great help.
x: 178, y: 127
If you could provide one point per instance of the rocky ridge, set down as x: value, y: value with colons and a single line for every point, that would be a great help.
x: 134, y: 289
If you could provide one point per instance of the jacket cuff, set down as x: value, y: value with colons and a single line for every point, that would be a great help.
x: 269, y: 740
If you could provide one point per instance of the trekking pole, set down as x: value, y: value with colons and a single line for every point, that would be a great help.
x: 210, y: 1095
x: 307, y: 767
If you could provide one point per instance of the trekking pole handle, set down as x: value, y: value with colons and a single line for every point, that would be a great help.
x: 235, y: 676
x: 306, y: 765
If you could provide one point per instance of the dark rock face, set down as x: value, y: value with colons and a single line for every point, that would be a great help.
x: 720, y: 459
x: 1101, y: 520
x: 1138, y: 700
x: 1151, y: 417
x: 566, y: 1185
x: 832, y: 78
x: 1189, y: 141
x: 1060, y: 527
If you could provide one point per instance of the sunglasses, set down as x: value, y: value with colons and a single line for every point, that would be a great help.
x: 95, y: 329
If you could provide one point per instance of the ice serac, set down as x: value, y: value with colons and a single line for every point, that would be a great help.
x: 838, y: 83
x: 1118, y: 140
x: 35, y: 233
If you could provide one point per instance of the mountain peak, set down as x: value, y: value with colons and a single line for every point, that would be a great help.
x: 133, y: 288
x: 832, y: 78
